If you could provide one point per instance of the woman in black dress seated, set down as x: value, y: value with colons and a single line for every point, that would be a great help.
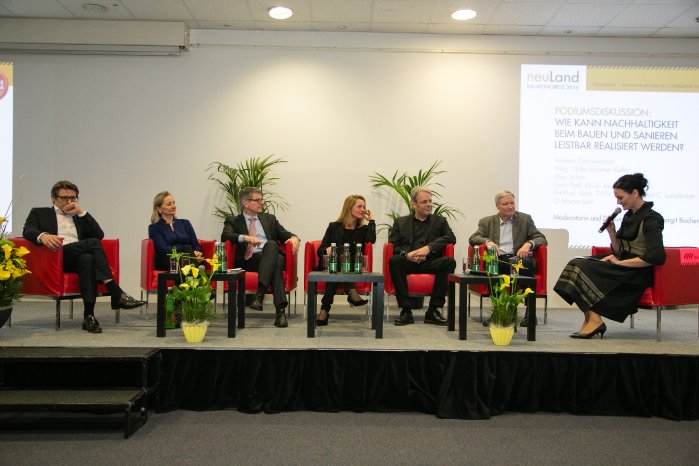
x: 169, y: 232
x: 610, y: 286
x: 354, y: 225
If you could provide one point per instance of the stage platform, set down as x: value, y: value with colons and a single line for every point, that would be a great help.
x: 33, y: 325
x: 418, y: 368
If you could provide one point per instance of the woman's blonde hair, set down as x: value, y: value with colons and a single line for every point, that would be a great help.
x: 346, y: 213
x: 158, y: 202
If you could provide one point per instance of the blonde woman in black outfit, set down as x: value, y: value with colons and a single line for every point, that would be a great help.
x: 355, y: 224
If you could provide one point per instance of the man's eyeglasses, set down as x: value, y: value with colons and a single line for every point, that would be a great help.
x: 259, y: 199
x: 67, y: 198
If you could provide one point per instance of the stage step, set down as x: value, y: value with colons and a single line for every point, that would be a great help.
x: 95, y: 380
x: 108, y: 401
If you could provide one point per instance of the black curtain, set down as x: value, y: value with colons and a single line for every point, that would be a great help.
x: 466, y: 385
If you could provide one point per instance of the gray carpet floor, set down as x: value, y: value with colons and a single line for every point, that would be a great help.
x: 307, y: 438
x: 230, y: 437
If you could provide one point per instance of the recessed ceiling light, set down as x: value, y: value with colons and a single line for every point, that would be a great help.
x: 94, y: 8
x: 280, y: 12
x: 463, y: 15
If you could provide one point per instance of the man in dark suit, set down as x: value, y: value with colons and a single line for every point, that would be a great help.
x: 256, y: 233
x: 514, y: 235
x: 68, y: 226
x: 418, y: 242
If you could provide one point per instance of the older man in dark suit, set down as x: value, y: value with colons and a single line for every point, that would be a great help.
x: 514, y: 235
x: 418, y: 242
x: 257, y: 234
x: 68, y: 226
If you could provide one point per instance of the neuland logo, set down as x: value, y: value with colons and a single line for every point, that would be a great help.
x: 554, y: 78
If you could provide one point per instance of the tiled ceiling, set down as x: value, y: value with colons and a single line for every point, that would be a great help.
x: 590, y: 18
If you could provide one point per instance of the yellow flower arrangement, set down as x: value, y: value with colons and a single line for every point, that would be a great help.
x: 194, y: 290
x: 13, y: 268
x: 505, y: 297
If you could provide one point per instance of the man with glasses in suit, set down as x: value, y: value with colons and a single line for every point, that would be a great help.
x: 256, y: 233
x: 68, y: 226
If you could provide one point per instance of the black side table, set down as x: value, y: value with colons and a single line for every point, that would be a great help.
x: 236, y: 298
x: 376, y: 279
x: 468, y: 279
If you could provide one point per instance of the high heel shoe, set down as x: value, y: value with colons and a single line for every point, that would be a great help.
x: 586, y: 336
x: 323, y: 322
x: 355, y: 299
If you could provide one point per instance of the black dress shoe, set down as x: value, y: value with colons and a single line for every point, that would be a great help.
x: 323, y: 322
x: 280, y: 321
x: 405, y: 318
x: 358, y: 302
x: 91, y: 325
x: 355, y: 298
x: 525, y: 322
x: 586, y: 336
x: 127, y: 301
x: 257, y: 304
x: 434, y: 317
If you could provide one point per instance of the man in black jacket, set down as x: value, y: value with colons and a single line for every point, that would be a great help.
x: 256, y: 234
x: 418, y: 244
x: 68, y: 226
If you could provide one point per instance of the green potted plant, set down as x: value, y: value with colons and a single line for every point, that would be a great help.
x: 255, y: 172
x: 13, y: 268
x: 504, y: 297
x: 193, y: 295
x: 401, y: 184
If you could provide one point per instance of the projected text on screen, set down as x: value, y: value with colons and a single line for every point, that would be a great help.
x: 582, y: 127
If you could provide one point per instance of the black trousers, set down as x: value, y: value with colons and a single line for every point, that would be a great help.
x: 269, y: 265
x: 399, y: 267
x: 87, y: 259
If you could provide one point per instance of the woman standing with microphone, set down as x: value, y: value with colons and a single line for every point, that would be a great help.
x: 610, y: 286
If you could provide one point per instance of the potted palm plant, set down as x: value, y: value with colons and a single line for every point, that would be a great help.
x: 13, y: 268
x: 400, y: 185
x: 255, y: 172
x: 505, y: 297
x: 193, y: 294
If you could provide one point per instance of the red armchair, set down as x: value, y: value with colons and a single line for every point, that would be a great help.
x: 674, y: 283
x: 289, y: 275
x: 49, y: 279
x: 419, y: 284
x: 149, y: 276
x: 310, y: 261
x: 541, y: 256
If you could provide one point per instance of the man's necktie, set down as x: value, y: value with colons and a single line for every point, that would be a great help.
x: 251, y: 232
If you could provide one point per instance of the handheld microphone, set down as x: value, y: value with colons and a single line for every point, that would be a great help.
x: 610, y: 219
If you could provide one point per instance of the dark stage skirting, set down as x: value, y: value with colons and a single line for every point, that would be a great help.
x: 466, y: 385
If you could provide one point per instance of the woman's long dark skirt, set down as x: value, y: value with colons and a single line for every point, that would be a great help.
x: 610, y: 290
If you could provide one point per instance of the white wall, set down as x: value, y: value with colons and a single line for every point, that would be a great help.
x: 337, y: 107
